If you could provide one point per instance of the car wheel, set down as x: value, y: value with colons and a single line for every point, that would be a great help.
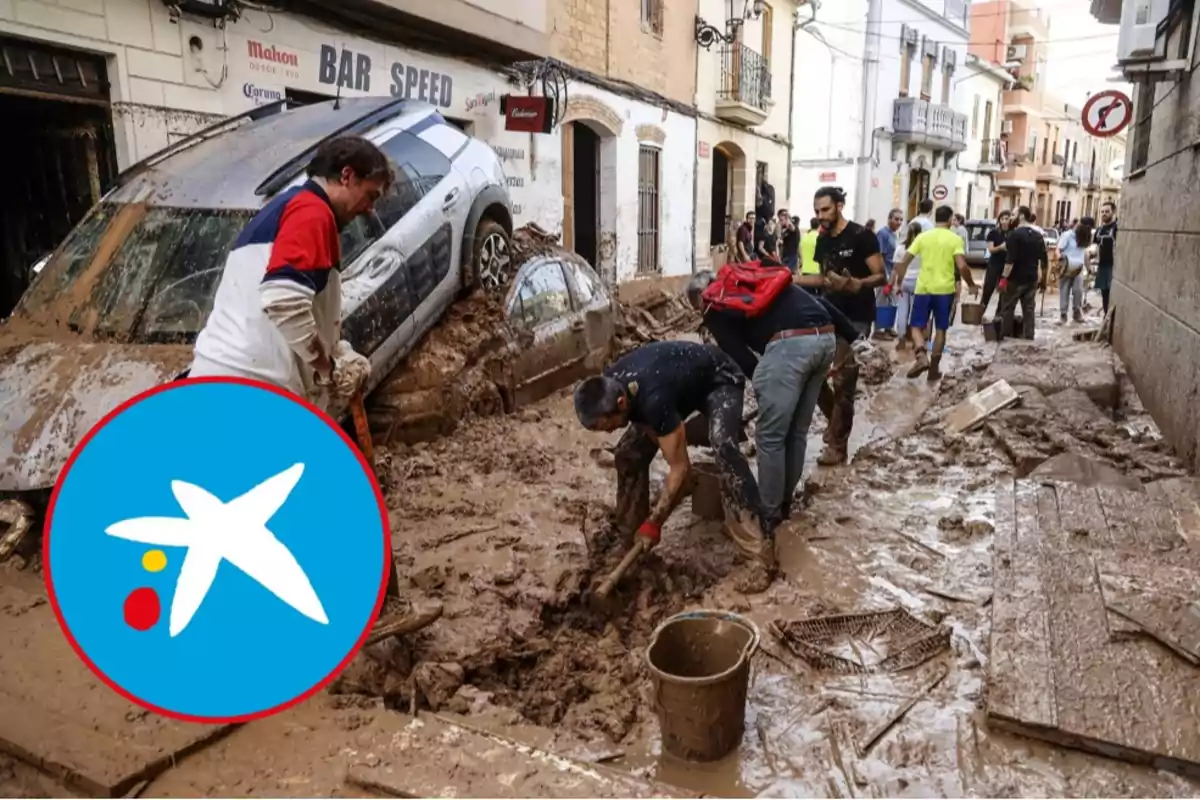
x: 492, y: 260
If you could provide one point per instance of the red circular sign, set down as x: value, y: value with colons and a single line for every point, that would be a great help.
x: 940, y: 192
x: 1107, y: 113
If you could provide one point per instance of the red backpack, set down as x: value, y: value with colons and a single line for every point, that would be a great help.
x: 746, y: 289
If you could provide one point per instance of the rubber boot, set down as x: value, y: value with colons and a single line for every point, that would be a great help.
x: 920, y: 364
x: 1062, y: 318
x: 1078, y: 315
x: 935, y: 371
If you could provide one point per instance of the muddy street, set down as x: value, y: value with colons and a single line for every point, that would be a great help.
x: 506, y: 524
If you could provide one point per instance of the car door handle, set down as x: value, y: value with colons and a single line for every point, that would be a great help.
x: 451, y: 199
x: 382, y: 263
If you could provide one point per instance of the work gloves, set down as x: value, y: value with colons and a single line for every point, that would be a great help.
x: 1003, y: 285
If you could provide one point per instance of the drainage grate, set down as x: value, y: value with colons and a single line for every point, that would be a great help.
x: 857, y: 644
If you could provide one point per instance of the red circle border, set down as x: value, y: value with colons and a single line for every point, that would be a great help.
x: 108, y: 418
x: 1096, y: 98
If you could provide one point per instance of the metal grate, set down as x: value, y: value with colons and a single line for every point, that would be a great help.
x: 648, y: 209
x: 745, y: 76
x: 34, y: 67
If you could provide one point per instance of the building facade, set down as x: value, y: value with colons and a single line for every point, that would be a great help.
x: 1156, y: 322
x: 917, y: 134
x: 980, y: 96
x: 744, y: 102
x: 97, y: 85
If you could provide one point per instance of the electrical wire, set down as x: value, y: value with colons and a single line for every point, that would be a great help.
x: 863, y: 31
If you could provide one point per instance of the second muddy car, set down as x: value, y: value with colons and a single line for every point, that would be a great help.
x: 115, y: 309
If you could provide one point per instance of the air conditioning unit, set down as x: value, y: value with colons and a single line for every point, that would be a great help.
x: 1006, y: 126
x: 1016, y: 52
x: 1138, y: 39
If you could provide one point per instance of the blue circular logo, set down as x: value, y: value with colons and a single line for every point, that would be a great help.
x: 216, y: 550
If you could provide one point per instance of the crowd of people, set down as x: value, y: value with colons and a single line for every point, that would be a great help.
x: 793, y: 316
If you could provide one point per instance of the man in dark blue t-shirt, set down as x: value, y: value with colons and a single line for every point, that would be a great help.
x: 653, y: 390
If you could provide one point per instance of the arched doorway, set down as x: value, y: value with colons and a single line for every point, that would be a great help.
x: 918, y: 190
x: 728, y: 193
x: 589, y: 174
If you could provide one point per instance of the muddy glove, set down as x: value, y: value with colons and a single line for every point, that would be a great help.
x: 351, y: 371
x: 651, y: 532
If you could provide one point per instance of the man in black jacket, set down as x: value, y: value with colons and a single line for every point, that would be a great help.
x: 787, y: 350
x: 1026, y: 266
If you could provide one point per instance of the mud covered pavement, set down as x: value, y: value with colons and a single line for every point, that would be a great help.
x: 506, y: 524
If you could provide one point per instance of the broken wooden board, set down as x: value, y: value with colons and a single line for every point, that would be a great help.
x: 59, y: 717
x: 971, y: 412
x: 1055, y: 673
x: 1160, y: 601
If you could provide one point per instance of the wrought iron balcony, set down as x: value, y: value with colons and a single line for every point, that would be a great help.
x: 992, y: 155
x: 1072, y: 172
x: 916, y: 121
x: 744, y: 93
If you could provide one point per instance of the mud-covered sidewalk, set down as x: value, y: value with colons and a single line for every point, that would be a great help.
x: 506, y: 524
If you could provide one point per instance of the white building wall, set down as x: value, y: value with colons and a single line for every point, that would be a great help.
x: 891, y: 174
x: 978, y: 85
x: 827, y: 143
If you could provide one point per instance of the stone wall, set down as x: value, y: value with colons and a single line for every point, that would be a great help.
x: 1157, y: 319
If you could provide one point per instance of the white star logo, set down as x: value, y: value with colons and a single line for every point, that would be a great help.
x: 235, y: 532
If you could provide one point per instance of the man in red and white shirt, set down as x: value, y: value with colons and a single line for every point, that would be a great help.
x: 277, y: 312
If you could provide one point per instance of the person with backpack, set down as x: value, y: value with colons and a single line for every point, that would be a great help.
x: 651, y: 391
x: 786, y: 342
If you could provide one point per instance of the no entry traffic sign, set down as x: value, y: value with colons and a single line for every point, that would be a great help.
x: 1107, y: 113
x: 940, y: 192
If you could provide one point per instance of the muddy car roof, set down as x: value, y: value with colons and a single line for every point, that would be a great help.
x: 225, y: 171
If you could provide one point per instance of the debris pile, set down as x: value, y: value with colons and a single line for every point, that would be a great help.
x: 655, y: 317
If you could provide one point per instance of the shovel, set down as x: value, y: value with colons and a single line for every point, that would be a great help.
x: 599, y: 599
x: 362, y: 432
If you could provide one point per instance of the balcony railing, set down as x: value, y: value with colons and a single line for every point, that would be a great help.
x: 992, y: 154
x: 917, y: 121
x: 744, y: 93
x: 1072, y: 172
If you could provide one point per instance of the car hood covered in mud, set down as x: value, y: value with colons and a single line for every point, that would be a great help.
x: 53, y: 390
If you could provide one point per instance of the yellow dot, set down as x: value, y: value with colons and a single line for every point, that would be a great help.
x: 154, y: 561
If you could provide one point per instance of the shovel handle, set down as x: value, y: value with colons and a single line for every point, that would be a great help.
x: 362, y: 428
x: 640, y: 546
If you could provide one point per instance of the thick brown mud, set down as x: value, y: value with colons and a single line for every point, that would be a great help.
x: 507, y: 524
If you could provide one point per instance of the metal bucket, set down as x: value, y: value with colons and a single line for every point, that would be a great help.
x: 972, y: 314
x: 706, y: 496
x: 700, y: 661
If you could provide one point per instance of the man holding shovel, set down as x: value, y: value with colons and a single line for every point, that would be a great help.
x: 653, y: 390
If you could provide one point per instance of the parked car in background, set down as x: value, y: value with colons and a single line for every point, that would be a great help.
x: 116, y: 308
x: 561, y: 302
x: 977, y: 244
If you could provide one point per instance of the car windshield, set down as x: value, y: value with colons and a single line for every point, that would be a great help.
x: 978, y: 231
x: 132, y: 272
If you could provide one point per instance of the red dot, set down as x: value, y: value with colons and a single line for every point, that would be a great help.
x: 142, y: 609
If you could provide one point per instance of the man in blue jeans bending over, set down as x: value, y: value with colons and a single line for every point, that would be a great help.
x: 788, y: 350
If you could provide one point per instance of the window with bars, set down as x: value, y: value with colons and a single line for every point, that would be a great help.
x: 648, y: 209
x: 652, y: 16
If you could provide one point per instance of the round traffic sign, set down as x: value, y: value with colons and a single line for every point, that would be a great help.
x: 1107, y: 113
x: 940, y: 193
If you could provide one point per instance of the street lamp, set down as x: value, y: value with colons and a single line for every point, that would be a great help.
x: 707, y: 34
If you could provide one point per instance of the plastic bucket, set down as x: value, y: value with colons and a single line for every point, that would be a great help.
x: 972, y: 314
x: 885, y: 317
x: 700, y: 662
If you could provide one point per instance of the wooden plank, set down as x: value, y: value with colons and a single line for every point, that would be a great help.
x: 1121, y: 525
x: 85, y: 759
x: 1081, y: 519
x: 1020, y: 684
x: 1137, y: 517
x: 972, y: 411
x: 58, y: 716
x: 1132, y: 700
x: 1182, y: 497
x: 1159, y: 599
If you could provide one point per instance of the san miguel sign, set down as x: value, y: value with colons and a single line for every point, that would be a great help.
x: 527, y: 114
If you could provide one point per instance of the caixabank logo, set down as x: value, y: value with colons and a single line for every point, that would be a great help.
x: 216, y: 550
